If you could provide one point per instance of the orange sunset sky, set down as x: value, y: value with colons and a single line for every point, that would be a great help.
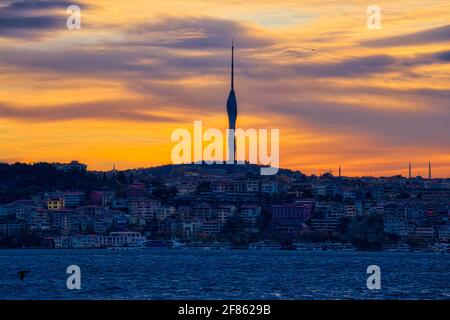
x: 113, y: 92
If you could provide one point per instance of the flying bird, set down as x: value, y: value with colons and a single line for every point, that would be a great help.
x: 22, y: 274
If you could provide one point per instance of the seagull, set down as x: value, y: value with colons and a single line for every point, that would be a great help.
x: 22, y: 274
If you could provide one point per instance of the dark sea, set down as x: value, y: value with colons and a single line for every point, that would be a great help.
x: 223, y: 274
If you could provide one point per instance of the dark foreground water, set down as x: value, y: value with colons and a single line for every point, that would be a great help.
x: 210, y: 274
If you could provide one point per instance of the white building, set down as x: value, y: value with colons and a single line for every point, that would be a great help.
x: 225, y: 211
x: 120, y: 239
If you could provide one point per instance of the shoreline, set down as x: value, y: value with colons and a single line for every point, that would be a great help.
x: 206, y: 248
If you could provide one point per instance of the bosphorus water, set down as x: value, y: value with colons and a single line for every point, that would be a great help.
x: 223, y: 274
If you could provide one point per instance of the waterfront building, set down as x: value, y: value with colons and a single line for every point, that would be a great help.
x: 192, y: 227
x: 291, y: 217
x: 121, y: 238
x: 212, y: 226
x: 224, y: 212
x: 249, y: 213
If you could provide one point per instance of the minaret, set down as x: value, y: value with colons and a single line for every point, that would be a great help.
x: 340, y: 171
x: 409, y: 172
x: 232, y: 111
x: 429, y: 169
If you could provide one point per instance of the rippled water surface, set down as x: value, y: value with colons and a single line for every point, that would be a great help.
x: 223, y: 274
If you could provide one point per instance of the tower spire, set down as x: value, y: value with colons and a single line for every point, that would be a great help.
x: 232, y: 112
x: 232, y: 64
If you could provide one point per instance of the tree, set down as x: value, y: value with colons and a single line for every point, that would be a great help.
x: 204, y: 186
x: 414, y: 242
x: 365, y: 232
x: 240, y: 239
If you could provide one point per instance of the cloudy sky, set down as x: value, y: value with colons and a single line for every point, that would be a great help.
x: 341, y: 94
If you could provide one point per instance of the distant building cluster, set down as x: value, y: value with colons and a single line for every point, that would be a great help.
x: 193, y: 204
x: 73, y: 166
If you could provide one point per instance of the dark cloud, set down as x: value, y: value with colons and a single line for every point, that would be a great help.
x: 421, y: 117
x: 265, y: 85
x: 434, y: 35
x: 443, y: 56
x: 362, y: 66
x: 163, y: 56
x: 122, y: 63
x: 72, y: 61
x: 112, y: 110
x: 354, y: 66
x: 8, y: 25
x: 31, y: 19
x: 158, y: 54
x: 170, y: 64
x: 391, y: 127
x: 31, y: 5
x: 199, y: 33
